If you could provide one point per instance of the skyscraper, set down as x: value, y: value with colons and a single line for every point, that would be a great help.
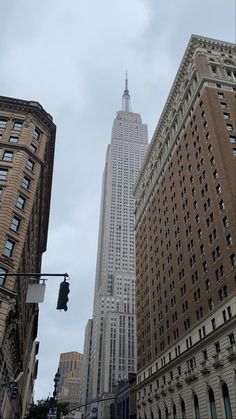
x: 27, y: 141
x: 113, y: 349
x: 185, y: 238
x: 70, y: 370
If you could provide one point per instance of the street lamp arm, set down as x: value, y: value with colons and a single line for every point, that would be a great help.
x: 36, y: 274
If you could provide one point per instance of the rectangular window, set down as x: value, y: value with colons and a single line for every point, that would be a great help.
x: 8, y: 155
x: 232, y: 139
x: 17, y: 126
x: 233, y: 259
x: 213, y: 322
x: 33, y: 148
x: 229, y: 127
x: 15, y: 223
x: 3, y: 123
x: 13, y: 139
x: 231, y: 336
x: 25, y: 183
x: 9, y: 247
x: 217, y: 347
x: 3, y: 174
x: 226, y: 115
x: 20, y: 203
x: 36, y: 134
x: 2, y: 278
x: 30, y: 165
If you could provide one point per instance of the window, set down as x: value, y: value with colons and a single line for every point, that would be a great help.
x: 207, y: 283
x: 196, y: 407
x: 213, y: 323
x: 227, y: 404
x: 17, y: 126
x: 221, y: 204
x: 217, y: 347
x: 225, y: 222
x: 2, y: 278
x: 221, y: 95
x: 229, y: 127
x: 15, y: 223
x: 7, y: 156
x: 229, y: 240
x: 218, y: 188
x: 212, y: 403
x: 9, y: 247
x: 3, y: 174
x: 13, y: 139
x: 33, y: 148
x: 174, y: 411
x: 223, y: 105
x: 20, y: 203
x: 226, y: 115
x: 219, y: 272
x: 183, y: 411
x: 3, y: 123
x: 231, y: 338
x: 232, y: 139
x: 210, y: 304
x: 36, y: 134
x: 233, y: 259
x: 25, y: 183
x: 30, y: 165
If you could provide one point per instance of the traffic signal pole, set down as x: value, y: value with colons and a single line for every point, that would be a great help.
x: 63, y: 290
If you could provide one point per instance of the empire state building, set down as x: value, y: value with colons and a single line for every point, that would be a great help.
x: 110, y: 337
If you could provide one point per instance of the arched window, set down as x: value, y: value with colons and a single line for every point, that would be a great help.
x: 174, y: 411
x: 212, y: 403
x: 227, y: 405
x: 182, y: 405
x: 166, y: 411
x: 152, y: 417
x: 159, y: 413
x: 196, y: 407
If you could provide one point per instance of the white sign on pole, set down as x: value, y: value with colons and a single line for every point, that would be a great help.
x: 35, y: 293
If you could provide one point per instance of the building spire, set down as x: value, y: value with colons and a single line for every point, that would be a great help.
x: 126, y: 105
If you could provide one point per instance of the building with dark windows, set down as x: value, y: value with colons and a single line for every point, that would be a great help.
x: 185, y: 244
x: 27, y: 140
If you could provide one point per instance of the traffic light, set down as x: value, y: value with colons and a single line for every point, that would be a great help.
x: 63, y: 296
x: 13, y: 391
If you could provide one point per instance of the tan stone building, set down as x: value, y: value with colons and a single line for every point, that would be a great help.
x: 27, y: 140
x: 185, y: 244
x: 70, y: 381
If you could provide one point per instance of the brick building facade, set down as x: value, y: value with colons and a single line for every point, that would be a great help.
x: 27, y: 139
x: 185, y: 244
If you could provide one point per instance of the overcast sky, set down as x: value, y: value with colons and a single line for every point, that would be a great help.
x: 71, y: 56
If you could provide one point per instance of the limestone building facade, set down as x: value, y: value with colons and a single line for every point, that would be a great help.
x: 27, y: 141
x: 113, y: 342
x: 185, y: 244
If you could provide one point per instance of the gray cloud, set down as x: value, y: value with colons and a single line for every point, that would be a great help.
x: 71, y: 56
